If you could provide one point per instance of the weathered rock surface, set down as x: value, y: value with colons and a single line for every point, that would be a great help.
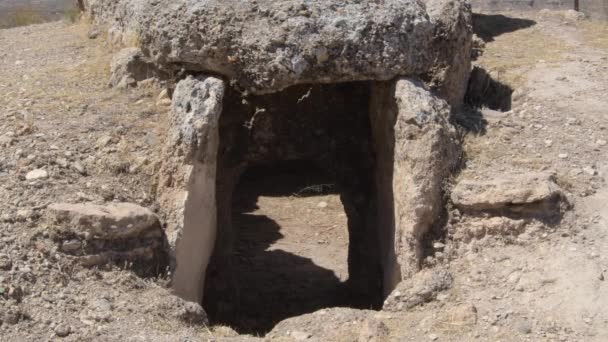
x: 463, y: 316
x: 520, y: 193
x: 100, y: 234
x: 111, y: 221
x: 421, y: 288
x: 332, y: 324
x: 478, y: 227
x: 266, y: 46
x: 130, y: 66
x: 187, y: 189
x: 416, y: 146
x: 37, y: 174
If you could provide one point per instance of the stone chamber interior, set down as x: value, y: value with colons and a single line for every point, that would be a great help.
x: 296, y: 207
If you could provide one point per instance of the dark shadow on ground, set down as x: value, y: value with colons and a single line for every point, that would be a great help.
x: 489, y: 26
x: 273, y: 284
x: 470, y: 120
x: 485, y: 91
x: 276, y: 284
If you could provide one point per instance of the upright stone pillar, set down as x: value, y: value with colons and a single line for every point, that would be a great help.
x: 416, y: 150
x: 188, y: 181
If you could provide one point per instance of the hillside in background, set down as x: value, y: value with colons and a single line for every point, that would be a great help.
x: 24, y: 12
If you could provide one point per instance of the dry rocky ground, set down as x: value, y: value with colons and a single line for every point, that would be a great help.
x: 500, y: 272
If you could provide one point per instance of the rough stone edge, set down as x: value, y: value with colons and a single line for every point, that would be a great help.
x: 424, y: 154
x: 187, y: 180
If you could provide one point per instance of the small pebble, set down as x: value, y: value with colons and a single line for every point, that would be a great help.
x: 36, y: 174
x: 62, y: 330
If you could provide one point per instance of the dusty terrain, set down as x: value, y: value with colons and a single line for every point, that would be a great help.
x: 96, y: 144
x: 23, y: 12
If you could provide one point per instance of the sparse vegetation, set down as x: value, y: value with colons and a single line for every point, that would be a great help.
x: 596, y: 33
x: 511, y: 56
x: 71, y: 15
x: 29, y: 15
x: 26, y: 15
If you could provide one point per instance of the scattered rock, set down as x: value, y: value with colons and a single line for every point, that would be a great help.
x: 130, y: 66
x: 373, y: 330
x: 493, y: 115
x: 163, y: 99
x: 5, y: 262
x: 100, y: 234
x: 103, y: 141
x: 61, y: 162
x: 12, y: 315
x: 300, y: 335
x: 522, y: 193
x: 15, y: 292
x: 421, y: 288
x: 62, y: 330
x: 78, y: 167
x: 94, y: 32
x: 572, y: 15
x: 524, y: 327
x: 332, y: 324
x: 6, y: 141
x: 111, y: 221
x: 477, y: 228
x: 71, y: 246
x: 37, y: 174
x: 194, y: 313
x: 463, y: 315
x: 590, y: 171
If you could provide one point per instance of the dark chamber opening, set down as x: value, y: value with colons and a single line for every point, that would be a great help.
x: 291, y: 249
x: 296, y: 207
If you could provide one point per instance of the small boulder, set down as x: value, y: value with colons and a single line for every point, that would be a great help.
x: 423, y: 287
x: 37, y: 174
x: 96, y: 235
x: 462, y: 315
x: 572, y: 15
x: 111, y: 221
x: 94, y: 32
x: 523, y: 193
x: 128, y: 67
x: 373, y: 330
x: 62, y: 330
x: 478, y: 227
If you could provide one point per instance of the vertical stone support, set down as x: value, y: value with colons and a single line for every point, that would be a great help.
x: 416, y: 150
x: 188, y: 181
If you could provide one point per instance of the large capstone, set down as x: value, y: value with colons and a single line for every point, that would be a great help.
x: 268, y: 45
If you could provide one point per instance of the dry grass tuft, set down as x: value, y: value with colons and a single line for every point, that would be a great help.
x: 596, y: 33
x: 25, y: 15
x: 71, y: 15
x: 22, y: 16
x: 512, y: 55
